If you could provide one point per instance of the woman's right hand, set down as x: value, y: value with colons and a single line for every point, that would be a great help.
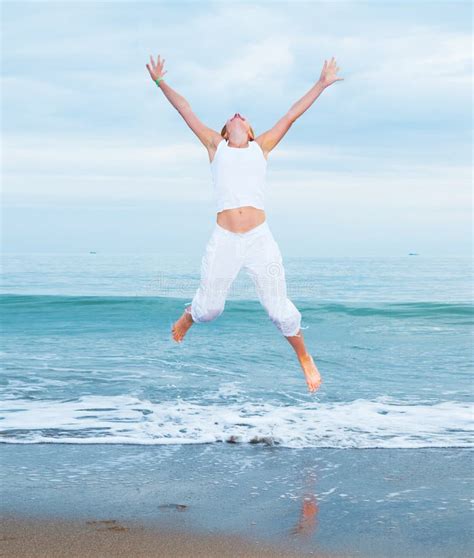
x: 156, y: 70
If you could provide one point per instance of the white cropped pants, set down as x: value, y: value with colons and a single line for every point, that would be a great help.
x: 258, y: 253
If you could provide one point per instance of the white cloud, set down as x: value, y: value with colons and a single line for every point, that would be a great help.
x: 308, y: 175
x: 83, y: 121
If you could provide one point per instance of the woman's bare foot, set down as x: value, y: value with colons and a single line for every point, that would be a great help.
x: 313, y: 378
x: 181, y: 326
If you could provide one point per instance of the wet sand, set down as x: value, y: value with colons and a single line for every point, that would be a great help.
x: 38, y: 538
x: 234, y: 500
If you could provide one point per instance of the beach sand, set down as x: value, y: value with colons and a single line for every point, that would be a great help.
x: 38, y: 538
x: 234, y: 500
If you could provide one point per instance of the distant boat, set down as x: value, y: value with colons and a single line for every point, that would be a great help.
x: 92, y: 252
x: 413, y: 254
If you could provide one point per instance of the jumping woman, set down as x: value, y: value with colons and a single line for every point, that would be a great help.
x: 242, y: 237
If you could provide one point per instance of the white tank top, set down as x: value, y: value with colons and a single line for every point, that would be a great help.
x: 238, y: 175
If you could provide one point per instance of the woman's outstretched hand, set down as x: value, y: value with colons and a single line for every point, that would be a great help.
x: 156, y: 70
x: 328, y: 73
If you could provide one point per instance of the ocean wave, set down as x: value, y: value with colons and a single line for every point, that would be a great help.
x: 381, y: 423
x: 12, y: 303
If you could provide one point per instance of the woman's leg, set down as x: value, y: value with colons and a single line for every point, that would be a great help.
x: 264, y: 264
x: 220, y: 265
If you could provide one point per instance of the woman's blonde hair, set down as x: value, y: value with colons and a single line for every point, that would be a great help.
x: 224, y: 132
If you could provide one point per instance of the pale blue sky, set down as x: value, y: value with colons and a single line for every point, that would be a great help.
x: 95, y: 157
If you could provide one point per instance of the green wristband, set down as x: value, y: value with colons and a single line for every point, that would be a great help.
x: 157, y: 80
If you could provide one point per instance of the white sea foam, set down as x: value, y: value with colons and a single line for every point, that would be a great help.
x: 380, y: 423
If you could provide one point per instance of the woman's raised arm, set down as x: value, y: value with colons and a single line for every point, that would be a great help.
x: 206, y: 135
x: 269, y: 139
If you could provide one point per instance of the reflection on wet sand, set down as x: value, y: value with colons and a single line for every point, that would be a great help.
x: 307, y: 519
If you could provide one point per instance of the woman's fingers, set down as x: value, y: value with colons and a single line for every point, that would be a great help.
x: 159, y: 63
x: 156, y: 69
x: 331, y: 64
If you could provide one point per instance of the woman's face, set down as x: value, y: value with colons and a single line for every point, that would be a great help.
x: 238, y: 123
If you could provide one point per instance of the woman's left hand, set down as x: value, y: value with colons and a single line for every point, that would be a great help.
x: 328, y: 73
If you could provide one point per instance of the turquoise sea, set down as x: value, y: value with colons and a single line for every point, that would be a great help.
x: 88, y: 356
x: 102, y: 412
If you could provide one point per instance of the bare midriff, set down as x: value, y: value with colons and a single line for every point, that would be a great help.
x: 241, y: 219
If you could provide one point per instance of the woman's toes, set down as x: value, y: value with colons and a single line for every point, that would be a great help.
x: 180, y: 327
x: 175, y: 333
